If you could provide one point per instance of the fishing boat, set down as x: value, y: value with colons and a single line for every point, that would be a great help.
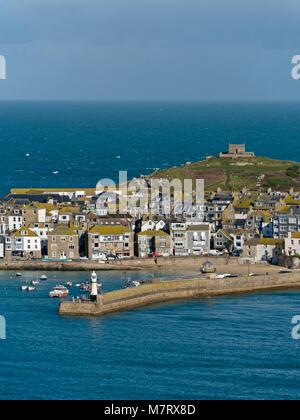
x: 60, y: 292
x: 35, y: 282
x: 43, y: 277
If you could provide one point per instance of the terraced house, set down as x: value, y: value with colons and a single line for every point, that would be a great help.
x: 198, y: 239
x: 34, y: 213
x: 110, y: 240
x: 154, y: 242
x: 24, y: 243
x: 292, y: 244
x: 63, y: 243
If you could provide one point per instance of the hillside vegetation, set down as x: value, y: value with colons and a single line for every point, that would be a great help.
x: 233, y: 174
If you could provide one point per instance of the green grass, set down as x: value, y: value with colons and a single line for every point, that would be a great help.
x: 235, y: 174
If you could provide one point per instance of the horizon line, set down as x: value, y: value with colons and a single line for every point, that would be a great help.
x: 169, y: 101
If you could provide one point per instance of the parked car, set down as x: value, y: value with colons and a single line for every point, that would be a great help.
x: 215, y: 252
x: 236, y: 252
x: 111, y: 257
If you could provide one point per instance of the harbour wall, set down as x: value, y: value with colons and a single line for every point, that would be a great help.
x: 132, y: 264
x: 178, y: 290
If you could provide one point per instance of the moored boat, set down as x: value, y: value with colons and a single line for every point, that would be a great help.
x: 131, y: 284
x: 43, y: 277
x: 35, y: 282
x: 60, y: 292
x: 19, y: 274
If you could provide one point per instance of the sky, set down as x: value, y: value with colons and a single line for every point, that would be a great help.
x: 174, y: 50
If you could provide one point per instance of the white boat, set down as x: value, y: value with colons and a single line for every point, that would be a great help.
x: 43, y: 277
x: 24, y: 288
x: 35, y: 282
x: 31, y: 288
x: 19, y: 274
x: 136, y: 283
x: 131, y: 284
x: 59, y: 292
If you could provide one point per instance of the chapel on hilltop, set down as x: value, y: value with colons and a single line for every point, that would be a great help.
x: 236, y: 151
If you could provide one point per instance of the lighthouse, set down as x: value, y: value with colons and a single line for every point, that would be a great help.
x: 94, y: 292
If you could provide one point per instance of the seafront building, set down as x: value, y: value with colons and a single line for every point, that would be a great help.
x: 154, y: 243
x: 110, y: 240
x: 73, y: 223
x: 23, y: 243
x: 63, y: 243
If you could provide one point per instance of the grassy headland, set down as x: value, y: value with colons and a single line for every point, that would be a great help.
x: 234, y: 174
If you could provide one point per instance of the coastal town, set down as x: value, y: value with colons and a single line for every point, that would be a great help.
x: 76, y: 225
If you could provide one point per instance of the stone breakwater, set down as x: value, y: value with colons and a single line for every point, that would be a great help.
x: 177, y: 290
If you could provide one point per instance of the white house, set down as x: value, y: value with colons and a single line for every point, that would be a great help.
x: 292, y: 244
x: 150, y: 224
x: 15, y: 220
x: 23, y: 243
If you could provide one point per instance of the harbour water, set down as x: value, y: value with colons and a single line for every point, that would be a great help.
x: 234, y: 347
x: 224, y: 348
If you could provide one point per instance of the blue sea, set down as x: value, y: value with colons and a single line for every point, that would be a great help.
x: 86, y: 142
x: 236, y: 347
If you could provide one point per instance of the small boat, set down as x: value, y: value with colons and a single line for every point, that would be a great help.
x: 35, y: 282
x: 43, y: 277
x: 84, y: 288
x: 70, y: 284
x: 19, y: 274
x: 31, y: 289
x: 60, y: 292
x: 131, y: 284
x: 24, y: 288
